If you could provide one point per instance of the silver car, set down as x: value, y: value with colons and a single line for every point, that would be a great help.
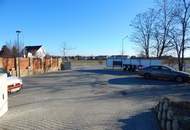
x: 164, y: 72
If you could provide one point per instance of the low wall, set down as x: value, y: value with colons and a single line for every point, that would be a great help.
x: 173, y: 115
x: 30, y: 66
x: 3, y: 95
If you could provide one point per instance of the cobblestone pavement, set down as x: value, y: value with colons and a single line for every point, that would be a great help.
x: 87, y: 100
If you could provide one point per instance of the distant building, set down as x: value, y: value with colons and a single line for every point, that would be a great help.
x: 34, y: 51
x: 119, y: 56
x: 101, y: 57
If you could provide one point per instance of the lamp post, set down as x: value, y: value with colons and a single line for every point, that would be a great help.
x: 123, y: 39
x: 18, y: 43
x: 122, y: 51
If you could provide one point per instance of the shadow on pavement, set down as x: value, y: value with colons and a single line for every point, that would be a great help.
x: 136, y: 80
x: 107, y: 71
x: 142, y: 121
x: 134, y: 87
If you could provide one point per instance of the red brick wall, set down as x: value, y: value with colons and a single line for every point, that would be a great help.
x: 1, y: 62
x: 54, y: 62
x: 36, y: 65
x: 24, y: 63
x: 9, y: 63
x: 48, y: 62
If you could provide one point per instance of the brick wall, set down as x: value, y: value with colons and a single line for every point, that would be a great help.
x: 54, y: 63
x: 47, y: 64
x: 24, y: 66
x: 9, y: 63
x: 1, y: 62
x: 37, y: 65
x: 30, y: 66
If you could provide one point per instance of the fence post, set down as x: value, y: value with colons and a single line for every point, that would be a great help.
x: 42, y: 65
x: 1, y: 62
x: 57, y: 65
x: 17, y: 68
x: 45, y: 65
x: 60, y: 63
x: 51, y: 63
x: 31, y: 65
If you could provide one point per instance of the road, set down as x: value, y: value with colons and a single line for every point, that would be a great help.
x: 88, y: 99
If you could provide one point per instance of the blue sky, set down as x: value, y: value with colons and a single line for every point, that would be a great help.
x: 90, y: 27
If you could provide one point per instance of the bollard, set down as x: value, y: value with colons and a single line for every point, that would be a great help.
x: 160, y: 107
x: 166, y: 100
x: 164, y: 115
x: 159, y: 115
x: 165, y: 106
x: 170, y: 114
x: 168, y: 125
x: 156, y: 108
x: 163, y: 124
x: 175, y: 124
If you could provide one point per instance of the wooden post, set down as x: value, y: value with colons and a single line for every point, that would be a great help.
x: 51, y: 64
x: 17, y: 68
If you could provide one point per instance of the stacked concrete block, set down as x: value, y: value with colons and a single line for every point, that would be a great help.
x: 170, y: 117
x: 165, y: 115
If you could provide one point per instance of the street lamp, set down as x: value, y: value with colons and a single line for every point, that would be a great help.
x: 18, y: 43
x: 123, y: 39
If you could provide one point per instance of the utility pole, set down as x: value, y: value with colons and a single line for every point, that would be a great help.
x: 18, y: 54
x: 65, y: 49
x: 123, y: 39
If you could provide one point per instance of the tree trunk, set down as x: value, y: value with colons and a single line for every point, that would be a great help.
x: 147, y: 53
x: 183, y: 46
x: 180, y: 66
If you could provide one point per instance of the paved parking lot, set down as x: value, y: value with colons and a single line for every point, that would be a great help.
x: 88, y: 99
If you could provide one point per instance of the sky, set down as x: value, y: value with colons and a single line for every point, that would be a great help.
x: 88, y: 27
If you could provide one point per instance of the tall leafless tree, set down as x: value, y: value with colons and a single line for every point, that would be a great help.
x: 162, y: 27
x: 157, y: 41
x: 181, y: 32
x: 143, y: 28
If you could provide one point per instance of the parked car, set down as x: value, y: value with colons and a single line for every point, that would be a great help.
x: 14, y: 84
x: 164, y: 72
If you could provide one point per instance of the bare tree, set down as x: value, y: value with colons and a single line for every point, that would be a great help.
x: 157, y: 41
x: 143, y: 28
x: 180, y: 34
x: 10, y: 49
x: 14, y: 51
x: 162, y: 27
x: 5, y: 51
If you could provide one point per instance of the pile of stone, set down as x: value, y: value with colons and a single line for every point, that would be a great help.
x: 173, y: 115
